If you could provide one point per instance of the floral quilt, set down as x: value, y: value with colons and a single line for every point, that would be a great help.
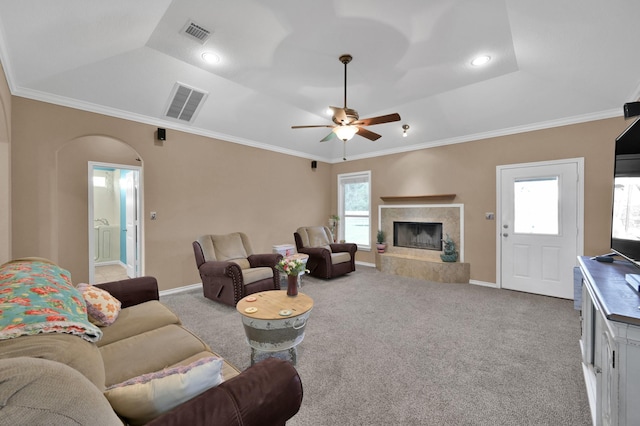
x: 37, y: 296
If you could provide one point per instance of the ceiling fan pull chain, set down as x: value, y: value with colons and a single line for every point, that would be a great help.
x: 344, y: 151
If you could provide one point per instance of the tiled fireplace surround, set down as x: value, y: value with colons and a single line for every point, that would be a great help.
x: 419, y: 263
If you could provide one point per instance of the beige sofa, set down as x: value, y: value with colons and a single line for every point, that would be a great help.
x: 146, y: 338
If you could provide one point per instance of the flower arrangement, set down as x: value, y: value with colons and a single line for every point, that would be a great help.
x: 291, y: 266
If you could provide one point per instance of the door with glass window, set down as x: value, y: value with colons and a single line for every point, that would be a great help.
x: 539, y: 232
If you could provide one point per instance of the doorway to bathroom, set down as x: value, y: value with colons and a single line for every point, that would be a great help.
x: 115, y: 194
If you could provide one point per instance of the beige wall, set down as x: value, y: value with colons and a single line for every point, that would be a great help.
x: 469, y: 171
x: 196, y: 185
x: 5, y: 169
x: 201, y: 185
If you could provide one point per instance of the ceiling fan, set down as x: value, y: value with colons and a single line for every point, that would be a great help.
x: 347, y: 122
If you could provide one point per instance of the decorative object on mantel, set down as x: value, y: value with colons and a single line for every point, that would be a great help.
x: 417, y: 197
x: 381, y: 245
x: 450, y: 253
x: 333, y: 226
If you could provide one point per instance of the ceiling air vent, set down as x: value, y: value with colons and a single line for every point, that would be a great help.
x: 184, y: 102
x: 195, y: 31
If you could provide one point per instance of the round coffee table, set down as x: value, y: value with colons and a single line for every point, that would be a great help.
x: 274, y: 323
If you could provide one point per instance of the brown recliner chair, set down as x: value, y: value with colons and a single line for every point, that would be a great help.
x: 230, y: 270
x: 326, y: 259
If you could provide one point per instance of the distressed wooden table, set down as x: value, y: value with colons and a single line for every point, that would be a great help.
x: 274, y: 323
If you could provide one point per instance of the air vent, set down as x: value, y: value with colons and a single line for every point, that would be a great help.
x: 196, y: 32
x: 184, y: 102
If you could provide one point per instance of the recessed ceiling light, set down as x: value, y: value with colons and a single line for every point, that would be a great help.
x: 481, y: 60
x: 210, y: 58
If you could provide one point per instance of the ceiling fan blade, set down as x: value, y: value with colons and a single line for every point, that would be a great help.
x: 368, y: 134
x: 378, y: 120
x: 307, y: 127
x: 339, y: 115
x: 328, y: 137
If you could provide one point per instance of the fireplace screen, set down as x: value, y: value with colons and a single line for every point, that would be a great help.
x: 419, y: 235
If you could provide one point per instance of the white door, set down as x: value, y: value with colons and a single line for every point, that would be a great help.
x: 540, y: 226
x: 131, y: 223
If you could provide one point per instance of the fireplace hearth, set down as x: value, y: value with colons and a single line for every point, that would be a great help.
x: 418, y: 235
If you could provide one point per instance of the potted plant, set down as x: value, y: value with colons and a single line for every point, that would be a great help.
x: 450, y: 253
x: 333, y: 225
x: 381, y: 245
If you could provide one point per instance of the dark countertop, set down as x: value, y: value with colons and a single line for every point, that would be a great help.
x: 618, y: 300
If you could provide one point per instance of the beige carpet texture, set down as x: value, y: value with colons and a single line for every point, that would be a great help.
x: 381, y: 349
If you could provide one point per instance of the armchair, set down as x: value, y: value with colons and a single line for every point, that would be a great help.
x: 326, y: 259
x: 230, y: 270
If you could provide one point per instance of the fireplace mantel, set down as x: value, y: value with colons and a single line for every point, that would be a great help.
x: 418, y: 263
x: 418, y: 197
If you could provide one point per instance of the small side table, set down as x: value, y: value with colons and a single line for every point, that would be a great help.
x: 274, y: 323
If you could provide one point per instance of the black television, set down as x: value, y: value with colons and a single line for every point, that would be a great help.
x: 625, y: 218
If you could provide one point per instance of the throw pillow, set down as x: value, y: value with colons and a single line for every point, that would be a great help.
x: 102, y: 307
x: 145, y: 397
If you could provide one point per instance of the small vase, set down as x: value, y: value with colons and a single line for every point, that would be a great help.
x: 292, y: 285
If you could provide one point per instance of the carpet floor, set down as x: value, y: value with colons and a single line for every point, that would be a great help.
x: 381, y: 349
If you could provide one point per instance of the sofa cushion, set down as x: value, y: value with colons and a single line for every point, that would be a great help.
x: 138, y: 319
x: 229, y: 247
x: 102, y: 307
x: 253, y: 275
x: 44, y: 392
x: 67, y: 349
x: 143, y: 398
x: 148, y: 352
x: 315, y: 236
x: 340, y: 257
x: 318, y: 237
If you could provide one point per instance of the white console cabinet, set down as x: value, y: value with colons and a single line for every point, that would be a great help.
x: 610, y: 342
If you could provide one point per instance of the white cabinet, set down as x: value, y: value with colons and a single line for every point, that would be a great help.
x: 610, y: 342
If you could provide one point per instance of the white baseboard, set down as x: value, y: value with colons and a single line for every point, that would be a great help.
x: 180, y: 289
x: 373, y: 265
x: 483, y: 283
x: 199, y: 285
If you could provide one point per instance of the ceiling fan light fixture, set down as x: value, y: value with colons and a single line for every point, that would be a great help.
x: 405, y: 127
x: 345, y: 133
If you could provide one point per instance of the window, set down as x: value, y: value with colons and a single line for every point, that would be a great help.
x: 354, y: 208
x: 536, y: 206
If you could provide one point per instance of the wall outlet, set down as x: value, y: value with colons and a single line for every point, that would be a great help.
x: 153, y: 215
x: 490, y: 216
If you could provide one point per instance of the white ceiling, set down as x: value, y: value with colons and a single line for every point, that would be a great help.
x: 553, y: 63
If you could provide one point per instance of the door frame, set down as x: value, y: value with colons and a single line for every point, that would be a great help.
x: 92, y: 165
x: 579, y: 162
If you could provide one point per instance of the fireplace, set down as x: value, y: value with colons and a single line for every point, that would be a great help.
x: 418, y: 235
